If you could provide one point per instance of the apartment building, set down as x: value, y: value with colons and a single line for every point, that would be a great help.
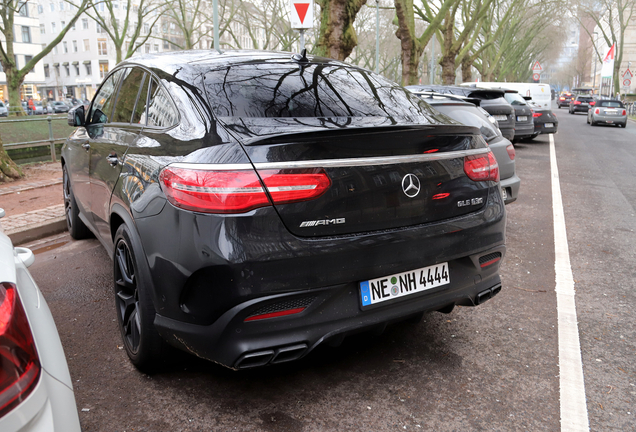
x: 26, y: 45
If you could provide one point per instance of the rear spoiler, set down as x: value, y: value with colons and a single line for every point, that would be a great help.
x: 527, y: 97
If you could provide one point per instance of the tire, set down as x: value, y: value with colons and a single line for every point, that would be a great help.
x: 135, y: 311
x: 76, y: 227
x: 624, y: 125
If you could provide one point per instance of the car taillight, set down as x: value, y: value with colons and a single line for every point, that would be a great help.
x: 19, y: 363
x: 511, y: 151
x: 537, y: 114
x: 577, y: 102
x: 240, y: 191
x: 562, y: 98
x: 482, y: 167
x: 597, y: 111
x: 592, y: 103
x: 624, y: 112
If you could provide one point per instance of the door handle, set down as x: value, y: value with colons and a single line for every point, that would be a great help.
x: 112, y: 159
x: 86, y: 146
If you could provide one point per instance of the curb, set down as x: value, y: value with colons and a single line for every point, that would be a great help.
x: 37, y: 231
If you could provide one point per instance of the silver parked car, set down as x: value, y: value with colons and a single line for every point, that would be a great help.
x: 36, y: 392
x: 4, y: 112
x: 607, y: 112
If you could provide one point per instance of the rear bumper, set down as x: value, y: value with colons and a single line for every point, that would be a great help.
x: 609, y: 119
x: 211, y: 272
x: 540, y: 128
x: 508, y: 132
x: 524, y: 130
x: 578, y: 108
x: 511, y: 185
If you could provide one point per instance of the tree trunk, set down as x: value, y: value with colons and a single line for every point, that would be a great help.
x: 8, y: 169
x: 411, y: 48
x: 467, y: 70
x: 337, y: 37
x: 448, y: 68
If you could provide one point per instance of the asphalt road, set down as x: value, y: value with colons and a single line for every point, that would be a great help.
x: 493, y: 367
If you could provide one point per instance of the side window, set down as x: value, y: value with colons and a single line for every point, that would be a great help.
x: 139, y: 116
x: 127, y: 96
x: 160, y: 111
x: 104, y: 100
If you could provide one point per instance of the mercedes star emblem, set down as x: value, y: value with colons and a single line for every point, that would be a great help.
x: 411, y: 185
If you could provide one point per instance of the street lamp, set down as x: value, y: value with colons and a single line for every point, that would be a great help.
x: 595, y: 40
x: 377, y: 36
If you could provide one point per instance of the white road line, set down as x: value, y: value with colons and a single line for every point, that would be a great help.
x: 572, y: 386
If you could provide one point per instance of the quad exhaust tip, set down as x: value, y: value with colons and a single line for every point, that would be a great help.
x: 271, y: 356
x: 486, y: 295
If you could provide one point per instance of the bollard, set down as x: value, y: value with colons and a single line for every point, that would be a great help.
x: 51, y: 140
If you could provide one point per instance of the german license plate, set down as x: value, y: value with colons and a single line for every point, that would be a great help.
x: 522, y: 118
x: 549, y: 125
x: 611, y: 112
x: 500, y: 117
x: 386, y: 288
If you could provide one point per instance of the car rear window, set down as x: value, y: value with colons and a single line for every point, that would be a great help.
x: 584, y: 98
x: 515, y: 99
x: 307, y: 90
x: 470, y: 116
x: 611, y: 104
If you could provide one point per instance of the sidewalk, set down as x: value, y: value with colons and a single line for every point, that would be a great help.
x: 34, y: 224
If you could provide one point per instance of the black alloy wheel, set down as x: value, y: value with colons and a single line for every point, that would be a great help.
x: 76, y: 228
x: 135, y: 311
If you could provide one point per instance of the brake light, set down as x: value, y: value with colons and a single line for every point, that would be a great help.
x: 597, y: 111
x: 19, y: 363
x: 624, y: 112
x: 240, y: 191
x: 537, y: 114
x: 562, y: 98
x: 577, y: 102
x: 482, y: 167
x: 511, y: 151
x: 592, y: 103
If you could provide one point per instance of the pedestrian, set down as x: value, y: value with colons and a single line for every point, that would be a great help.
x: 31, y: 106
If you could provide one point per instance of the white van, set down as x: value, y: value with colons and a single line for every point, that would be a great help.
x: 540, y: 93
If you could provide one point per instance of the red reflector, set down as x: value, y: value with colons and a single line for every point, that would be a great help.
x: 275, y: 314
x: 239, y: 191
x: 537, y: 114
x: 482, y: 167
x: 431, y: 151
x: 511, y: 151
x: 19, y: 363
x: 577, y: 102
x: 492, y: 261
x: 441, y: 196
x: 597, y: 111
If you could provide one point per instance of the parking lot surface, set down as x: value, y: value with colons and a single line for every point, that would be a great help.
x: 493, y: 367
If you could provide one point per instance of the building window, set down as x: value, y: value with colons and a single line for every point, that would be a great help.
x: 62, y: 25
x: 156, y: 47
x: 42, y: 29
x: 99, y: 29
x: 26, y: 34
x: 67, y: 70
x: 27, y: 59
x: 146, y: 28
x: 74, y: 46
x: 102, y: 48
x: 147, y: 48
x: 87, y: 45
x: 52, y: 7
x: 103, y: 69
x: 88, y: 68
x: 53, y: 27
x: 55, y: 49
x: 166, y: 45
x: 65, y: 46
x: 77, y: 69
x: 23, y: 9
x: 73, y: 26
x: 40, y: 9
x: 57, y: 70
x: 61, y: 5
x: 84, y: 23
x: 46, y: 71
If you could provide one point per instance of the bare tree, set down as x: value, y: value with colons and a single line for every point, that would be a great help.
x: 15, y: 75
x: 128, y: 29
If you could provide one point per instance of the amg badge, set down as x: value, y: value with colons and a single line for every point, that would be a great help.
x: 468, y: 202
x: 322, y: 222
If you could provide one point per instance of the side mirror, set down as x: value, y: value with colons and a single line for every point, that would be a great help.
x: 76, y: 116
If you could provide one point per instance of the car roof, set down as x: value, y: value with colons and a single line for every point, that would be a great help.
x: 457, y: 90
x: 435, y: 98
x: 200, y: 60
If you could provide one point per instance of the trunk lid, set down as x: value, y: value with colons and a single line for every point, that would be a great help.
x: 381, y: 177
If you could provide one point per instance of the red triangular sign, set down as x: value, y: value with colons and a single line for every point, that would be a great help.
x: 301, y: 8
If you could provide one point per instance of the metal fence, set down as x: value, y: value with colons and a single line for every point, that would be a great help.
x: 51, y: 141
x: 631, y: 108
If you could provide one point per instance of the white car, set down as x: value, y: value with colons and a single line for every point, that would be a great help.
x: 36, y: 393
